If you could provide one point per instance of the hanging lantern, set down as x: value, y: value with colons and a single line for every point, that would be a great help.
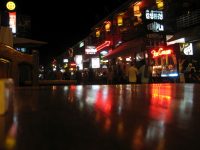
x: 120, y: 20
x: 107, y: 25
x: 160, y: 4
x: 136, y: 9
x: 98, y: 33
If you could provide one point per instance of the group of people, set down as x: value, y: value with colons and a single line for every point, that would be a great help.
x: 115, y: 75
x: 130, y: 74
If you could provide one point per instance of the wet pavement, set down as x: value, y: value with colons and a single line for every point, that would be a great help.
x: 103, y: 117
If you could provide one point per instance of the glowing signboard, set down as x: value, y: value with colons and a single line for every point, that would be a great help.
x: 90, y: 50
x: 95, y: 63
x: 161, y: 52
x: 12, y: 21
x: 186, y: 48
x: 79, y: 61
x: 154, y: 15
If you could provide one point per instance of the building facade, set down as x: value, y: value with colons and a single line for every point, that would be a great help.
x: 141, y: 32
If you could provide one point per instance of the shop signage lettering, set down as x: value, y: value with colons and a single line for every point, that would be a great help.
x: 154, y: 15
x: 161, y: 52
x: 155, y: 27
x: 187, y: 48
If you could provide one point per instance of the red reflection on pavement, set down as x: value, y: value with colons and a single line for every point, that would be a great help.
x: 161, y: 96
x: 103, y: 102
x: 71, y: 93
x: 72, y: 87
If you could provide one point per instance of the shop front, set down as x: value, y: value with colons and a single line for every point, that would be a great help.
x: 164, y: 65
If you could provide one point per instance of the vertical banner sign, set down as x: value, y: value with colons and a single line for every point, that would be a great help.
x: 12, y: 21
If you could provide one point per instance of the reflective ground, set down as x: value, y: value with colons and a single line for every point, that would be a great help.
x: 103, y: 117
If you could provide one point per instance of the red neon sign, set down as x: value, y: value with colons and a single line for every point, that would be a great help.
x: 161, y: 52
x: 105, y: 44
x: 72, y: 64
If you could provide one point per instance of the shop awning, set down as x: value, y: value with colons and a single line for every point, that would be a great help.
x: 126, y: 48
x: 25, y: 42
x: 191, y: 34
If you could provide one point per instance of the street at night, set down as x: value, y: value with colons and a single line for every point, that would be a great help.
x: 103, y: 117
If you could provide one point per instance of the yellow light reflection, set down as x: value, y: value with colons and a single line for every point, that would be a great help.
x: 161, y: 102
x: 10, y: 141
x: 120, y: 129
x: 107, y: 124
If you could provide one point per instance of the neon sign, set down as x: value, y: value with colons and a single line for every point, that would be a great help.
x: 105, y: 44
x: 161, y: 52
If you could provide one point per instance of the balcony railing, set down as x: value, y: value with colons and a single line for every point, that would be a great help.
x: 192, y: 18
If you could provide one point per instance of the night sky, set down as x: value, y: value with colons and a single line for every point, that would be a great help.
x: 63, y: 23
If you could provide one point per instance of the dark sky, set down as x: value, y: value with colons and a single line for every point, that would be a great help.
x: 63, y: 23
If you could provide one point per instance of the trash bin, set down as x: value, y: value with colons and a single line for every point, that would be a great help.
x: 6, y: 94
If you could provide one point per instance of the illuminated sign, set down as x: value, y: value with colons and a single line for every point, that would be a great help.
x: 95, y: 63
x: 90, y: 50
x: 72, y: 64
x: 79, y: 61
x: 186, y: 48
x: 155, y: 27
x: 104, y: 53
x: 154, y: 15
x: 10, y: 5
x: 105, y: 44
x: 12, y: 21
x: 161, y: 52
x: 65, y: 60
